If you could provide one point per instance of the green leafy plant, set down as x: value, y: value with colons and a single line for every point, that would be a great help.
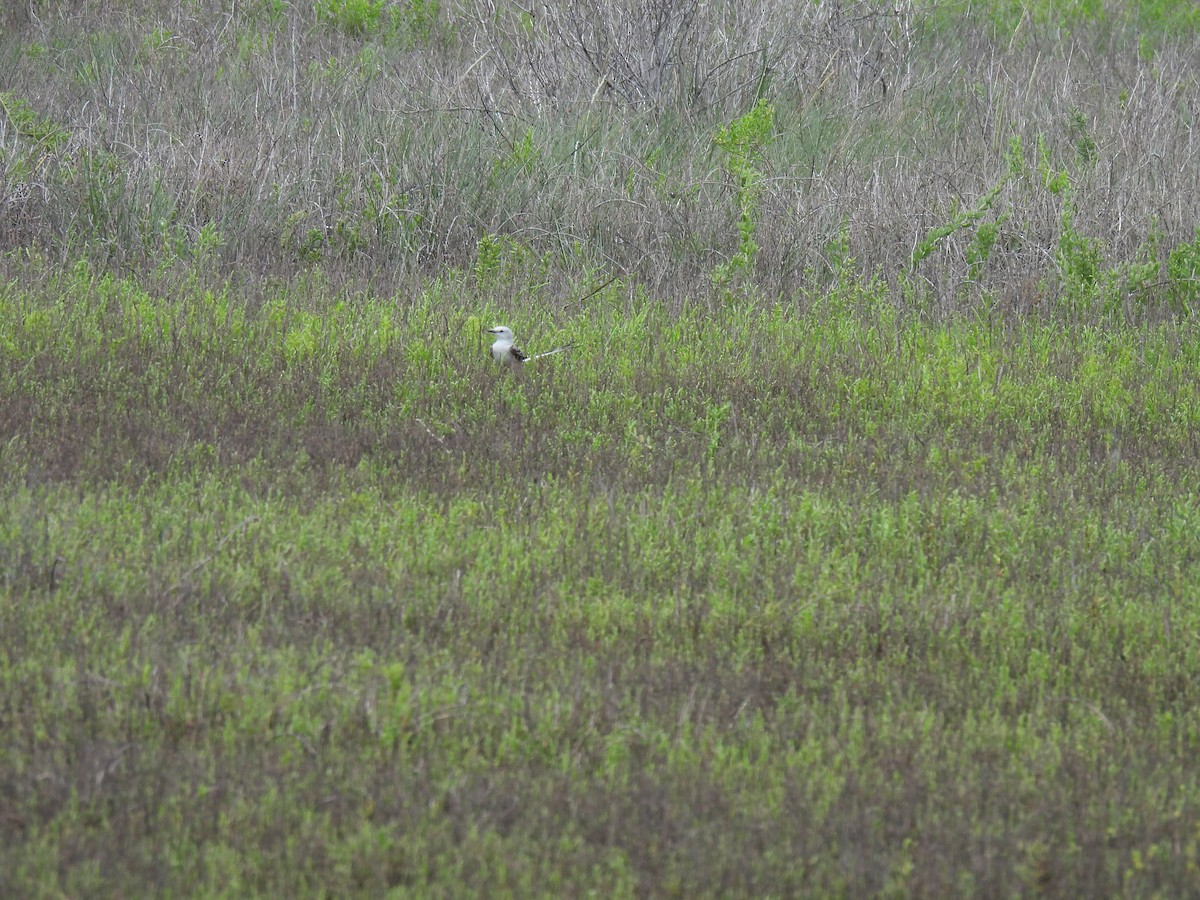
x: 743, y: 141
x: 960, y: 219
x: 1183, y: 274
x: 982, y: 244
x: 1080, y: 258
x: 42, y: 137
x: 418, y: 18
x: 355, y: 17
x: 1053, y: 179
x: 501, y: 260
x: 522, y: 154
x: 1086, y: 151
x: 487, y: 258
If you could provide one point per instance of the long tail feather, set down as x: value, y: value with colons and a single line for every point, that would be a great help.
x: 550, y: 353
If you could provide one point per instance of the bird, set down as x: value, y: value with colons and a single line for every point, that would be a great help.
x: 507, y: 353
x: 504, y: 351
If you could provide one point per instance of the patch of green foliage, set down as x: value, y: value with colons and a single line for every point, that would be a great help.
x: 295, y: 602
x: 960, y: 219
x: 1183, y: 272
x: 744, y: 141
x: 411, y: 20
x: 354, y: 17
x: 1087, y: 278
x: 38, y: 138
x: 1153, y: 21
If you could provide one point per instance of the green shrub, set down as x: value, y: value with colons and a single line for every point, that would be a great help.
x: 1183, y: 274
x: 743, y: 141
x: 354, y: 17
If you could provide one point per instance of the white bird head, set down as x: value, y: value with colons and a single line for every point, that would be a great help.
x: 502, y: 332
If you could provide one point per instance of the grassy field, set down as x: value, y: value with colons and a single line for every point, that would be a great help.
x: 852, y: 550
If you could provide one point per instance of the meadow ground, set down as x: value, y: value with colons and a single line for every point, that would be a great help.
x: 853, y: 549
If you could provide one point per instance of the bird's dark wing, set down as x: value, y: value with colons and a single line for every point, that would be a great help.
x: 518, y: 354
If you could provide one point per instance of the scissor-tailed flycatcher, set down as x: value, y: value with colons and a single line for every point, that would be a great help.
x: 505, y: 352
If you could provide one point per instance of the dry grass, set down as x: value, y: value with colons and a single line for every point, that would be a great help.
x: 584, y: 133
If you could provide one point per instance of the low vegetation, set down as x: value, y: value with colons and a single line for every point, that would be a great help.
x: 851, y: 551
